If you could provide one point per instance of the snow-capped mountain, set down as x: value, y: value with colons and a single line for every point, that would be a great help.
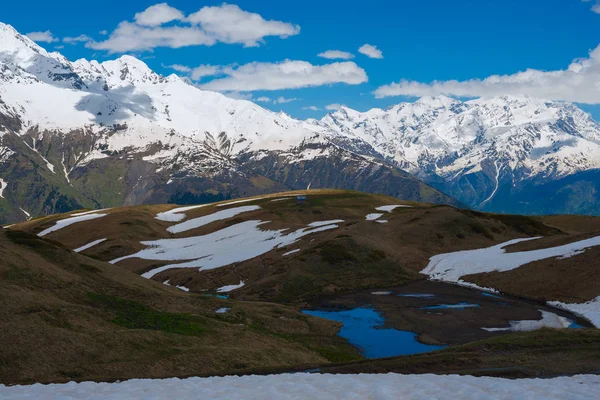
x: 94, y: 134
x: 489, y: 153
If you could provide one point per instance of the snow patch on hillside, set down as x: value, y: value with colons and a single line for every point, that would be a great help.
x: 549, y: 320
x: 236, y: 243
x: 177, y: 214
x: 63, y: 223
x: 207, y: 219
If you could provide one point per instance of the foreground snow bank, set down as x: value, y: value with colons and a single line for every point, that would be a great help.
x: 316, y: 386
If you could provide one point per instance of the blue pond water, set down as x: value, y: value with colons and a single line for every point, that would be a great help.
x: 363, y: 329
x: 418, y: 295
x: 575, y: 325
x: 459, y: 306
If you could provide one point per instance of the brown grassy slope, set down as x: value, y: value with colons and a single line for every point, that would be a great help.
x: 543, y: 353
x: 359, y: 254
x: 66, y: 316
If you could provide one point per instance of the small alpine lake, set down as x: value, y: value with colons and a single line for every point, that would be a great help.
x: 363, y: 328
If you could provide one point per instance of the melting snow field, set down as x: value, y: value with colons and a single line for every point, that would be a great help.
x: 177, y: 214
x: 89, y: 245
x: 451, y: 267
x: 318, y: 386
x: 391, y: 208
x: 241, y: 201
x: 289, y: 253
x: 207, y: 219
x: 373, y: 217
x: 214, y: 250
x: 549, y: 320
x: 229, y: 288
x: 590, y: 310
x: 70, y: 221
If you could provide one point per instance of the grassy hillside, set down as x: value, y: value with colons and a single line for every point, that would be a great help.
x: 75, y: 316
x: 66, y: 316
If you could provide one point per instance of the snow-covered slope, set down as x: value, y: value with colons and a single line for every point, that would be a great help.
x: 478, y: 146
x: 116, y: 132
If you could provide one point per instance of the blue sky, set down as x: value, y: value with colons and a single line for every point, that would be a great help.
x: 421, y: 41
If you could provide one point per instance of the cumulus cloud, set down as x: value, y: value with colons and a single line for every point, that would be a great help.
x: 230, y: 24
x: 80, y: 38
x: 596, y: 8
x: 288, y: 74
x: 45, y: 37
x: 334, y: 107
x: 279, y: 100
x: 238, y: 95
x: 311, y: 108
x: 370, y: 51
x: 336, y: 54
x: 204, y: 70
x: 178, y: 68
x: 158, y: 14
x: 226, y: 23
x: 580, y: 82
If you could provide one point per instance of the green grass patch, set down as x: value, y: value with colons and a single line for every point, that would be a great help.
x: 133, y: 315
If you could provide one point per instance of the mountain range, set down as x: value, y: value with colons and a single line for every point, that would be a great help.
x: 89, y: 134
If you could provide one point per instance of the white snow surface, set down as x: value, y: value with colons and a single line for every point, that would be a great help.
x: 230, y: 288
x: 70, y: 221
x: 323, y: 223
x: 89, y: 245
x: 549, y: 320
x: 88, y: 212
x: 319, y: 387
x: 289, y: 253
x: 373, y: 217
x: 235, y: 243
x: 222, y: 310
x: 177, y: 214
x: 391, y: 208
x: 589, y: 310
x: 207, y: 219
x: 382, y: 221
x: 3, y: 186
x: 452, y: 266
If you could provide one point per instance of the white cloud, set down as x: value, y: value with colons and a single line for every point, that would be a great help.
x: 178, y: 67
x: 580, y: 82
x: 59, y: 47
x: 230, y: 24
x: 596, y: 8
x: 279, y: 100
x: 283, y: 100
x: 204, y: 70
x: 311, y: 108
x: 370, y: 51
x: 45, y: 37
x: 80, y: 38
x: 286, y: 75
x: 131, y: 37
x: 336, y: 54
x: 334, y: 107
x: 157, y: 15
x: 103, y: 32
x: 225, y: 23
